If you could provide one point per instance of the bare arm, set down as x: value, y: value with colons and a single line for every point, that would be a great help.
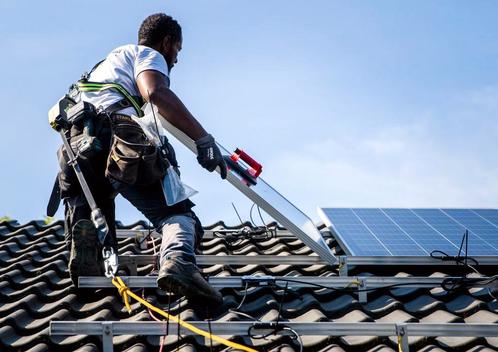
x: 152, y: 83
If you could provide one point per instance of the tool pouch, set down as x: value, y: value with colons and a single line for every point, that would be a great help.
x: 133, y: 160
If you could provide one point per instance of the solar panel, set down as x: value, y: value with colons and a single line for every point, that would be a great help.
x: 401, y: 232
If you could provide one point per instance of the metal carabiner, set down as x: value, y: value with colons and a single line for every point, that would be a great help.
x: 110, y: 262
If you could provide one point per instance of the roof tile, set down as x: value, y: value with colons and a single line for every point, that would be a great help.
x: 35, y: 287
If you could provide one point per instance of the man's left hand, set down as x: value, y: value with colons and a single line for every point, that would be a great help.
x: 209, y: 155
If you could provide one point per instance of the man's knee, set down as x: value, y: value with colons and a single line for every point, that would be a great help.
x: 178, y: 224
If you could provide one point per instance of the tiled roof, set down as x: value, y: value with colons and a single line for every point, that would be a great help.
x: 35, y: 289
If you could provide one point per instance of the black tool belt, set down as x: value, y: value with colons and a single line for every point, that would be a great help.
x: 133, y: 159
x: 122, y: 104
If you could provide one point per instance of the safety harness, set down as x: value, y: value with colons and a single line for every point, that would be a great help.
x: 127, y: 101
x: 61, y: 117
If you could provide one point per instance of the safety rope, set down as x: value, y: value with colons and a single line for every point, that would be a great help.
x: 126, y: 293
x: 400, y: 348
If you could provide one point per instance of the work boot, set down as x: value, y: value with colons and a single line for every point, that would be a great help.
x: 184, y: 278
x: 85, y: 258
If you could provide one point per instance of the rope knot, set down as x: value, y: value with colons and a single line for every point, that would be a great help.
x: 123, y: 291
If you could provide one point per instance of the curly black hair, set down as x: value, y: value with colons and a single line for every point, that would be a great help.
x: 157, y: 26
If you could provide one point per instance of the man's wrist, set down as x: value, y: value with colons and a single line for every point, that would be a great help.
x: 204, y: 140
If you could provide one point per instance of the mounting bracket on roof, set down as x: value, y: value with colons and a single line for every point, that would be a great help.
x: 402, y: 333
x: 257, y: 280
x: 243, y: 174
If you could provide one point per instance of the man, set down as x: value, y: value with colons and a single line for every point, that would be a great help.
x: 143, y: 71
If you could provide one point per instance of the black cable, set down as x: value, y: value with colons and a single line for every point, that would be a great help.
x: 243, y: 297
x: 466, y: 246
x: 282, y: 302
x: 261, y: 216
x: 259, y: 233
x: 169, y: 308
x: 236, y: 212
x: 468, y: 282
x: 296, y: 337
x: 458, y: 258
x: 149, y: 235
x: 236, y: 310
x: 446, y: 257
x: 276, y: 326
x: 210, y: 331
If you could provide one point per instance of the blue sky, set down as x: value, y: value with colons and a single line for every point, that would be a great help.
x: 356, y: 103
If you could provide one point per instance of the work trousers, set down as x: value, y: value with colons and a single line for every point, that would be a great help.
x: 180, y: 228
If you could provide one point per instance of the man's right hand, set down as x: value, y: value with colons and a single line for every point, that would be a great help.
x: 209, y: 155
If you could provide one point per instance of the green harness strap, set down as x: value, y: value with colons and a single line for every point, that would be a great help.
x: 86, y: 86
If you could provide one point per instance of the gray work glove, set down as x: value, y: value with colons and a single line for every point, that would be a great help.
x: 209, y: 155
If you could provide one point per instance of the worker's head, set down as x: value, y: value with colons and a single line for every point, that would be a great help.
x: 163, y: 33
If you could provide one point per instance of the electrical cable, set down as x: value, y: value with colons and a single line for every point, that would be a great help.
x: 236, y: 212
x: 451, y: 284
x: 260, y: 216
x: 250, y: 215
x: 169, y: 307
x: 296, y: 337
x: 470, y: 282
x: 258, y: 233
x: 276, y: 326
x: 446, y: 257
x: 282, y: 302
x: 246, y: 233
x: 210, y: 331
x: 236, y: 310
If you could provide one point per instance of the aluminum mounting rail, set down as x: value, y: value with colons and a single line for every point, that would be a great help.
x: 208, y: 234
x: 132, y: 261
x: 107, y: 329
x: 344, y: 263
x: 360, y: 283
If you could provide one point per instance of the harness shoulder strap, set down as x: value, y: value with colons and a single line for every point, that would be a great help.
x: 87, y: 86
x: 84, y: 85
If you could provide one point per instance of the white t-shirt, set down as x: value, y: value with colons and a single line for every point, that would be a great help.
x: 122, y: 66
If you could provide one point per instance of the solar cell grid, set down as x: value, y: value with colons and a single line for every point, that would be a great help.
x: 413, y: 231
x: 427, y: 237
x: 475, y: 224
x: 396, y: 241
x: 490, y: 215
x: 453, y: 231
x: 346, y: 226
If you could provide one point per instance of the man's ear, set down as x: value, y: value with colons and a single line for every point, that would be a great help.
x: 166, y: 43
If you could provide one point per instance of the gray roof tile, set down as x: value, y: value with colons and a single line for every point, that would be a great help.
x: 441, y: 316
x: 464, y: 305
x: 481, y: 317
x: 423, y: 305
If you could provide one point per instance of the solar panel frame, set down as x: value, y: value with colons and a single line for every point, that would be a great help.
x: 418, y: 231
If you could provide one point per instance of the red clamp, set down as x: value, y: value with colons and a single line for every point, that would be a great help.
x: 254, y: 169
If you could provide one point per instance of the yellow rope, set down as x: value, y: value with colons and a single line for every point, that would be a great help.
x: 125, y: 293
x: 400, y: 349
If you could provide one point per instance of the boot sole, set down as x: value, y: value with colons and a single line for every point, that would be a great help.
x: 86, y: 258
x: 178, y: 285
